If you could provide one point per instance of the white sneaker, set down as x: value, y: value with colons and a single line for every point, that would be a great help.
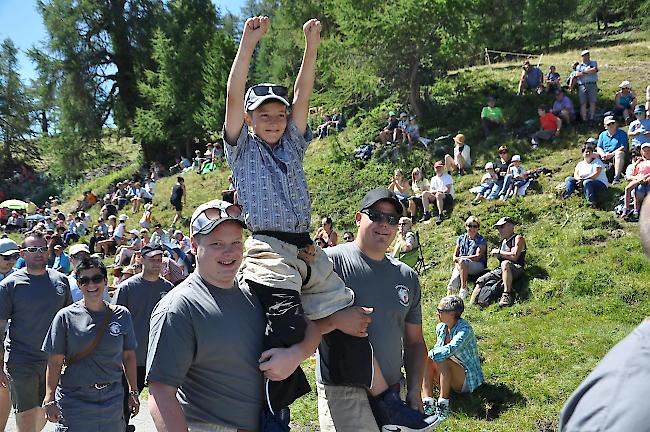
x: 463, y: 293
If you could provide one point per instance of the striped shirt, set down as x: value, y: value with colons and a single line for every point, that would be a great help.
x: 463, y: 348
x: 270, y: 182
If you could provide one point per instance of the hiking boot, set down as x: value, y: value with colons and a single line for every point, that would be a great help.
x: 506, y: 299
x: 463, y: 293
x: 439, y: 219
x: 425, y: 217
x: 394, y: 415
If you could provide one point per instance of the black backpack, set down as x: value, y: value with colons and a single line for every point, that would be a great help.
x: 491, y: 291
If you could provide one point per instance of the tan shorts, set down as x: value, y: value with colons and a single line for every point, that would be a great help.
x: 344, y: 409
x: 274, y: 263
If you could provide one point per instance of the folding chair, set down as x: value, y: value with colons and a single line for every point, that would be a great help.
x: 414, y: 258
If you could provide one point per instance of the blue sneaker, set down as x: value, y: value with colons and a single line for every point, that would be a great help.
x: 430, y: 407
x: 394, y: 415
x: 442, y: 411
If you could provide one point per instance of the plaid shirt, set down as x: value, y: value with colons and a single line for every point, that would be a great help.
x: 463, y: 348
x: 270, y: 182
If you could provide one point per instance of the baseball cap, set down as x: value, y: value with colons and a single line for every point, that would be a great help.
x: 177, y: 232
x: 584, y: 53
x: 58, y: 247
x: 260, y: 93
x: 380, y: 194
x: 639, y: 109
x: 391, y: 113
x: 591, y: 141
x: 134, y: 232
x: 503, y: 149
x: 79, y: 247
x: 152, y: 250
x: 609, y: 120
x: 516, y: 158
x: 645, y: 144
x: 625, y: 84
x: 438, y: 164
x: 402, y: 115
x: 211, y: 214
x: 489, y: 165
x: 123, y: 217
x: 504, y: 220
x: 8, y: 246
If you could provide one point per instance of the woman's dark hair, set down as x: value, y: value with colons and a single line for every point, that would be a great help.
x: 91, y: 263
x: 180, y: 179
x: 543, y: 108
x: 327, y: 220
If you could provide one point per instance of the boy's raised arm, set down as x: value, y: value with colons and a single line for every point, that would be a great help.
x: 254, y: 29
x: 305, y: 80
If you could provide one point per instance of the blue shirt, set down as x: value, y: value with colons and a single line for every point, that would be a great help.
x: 270, y: 182
x: 643, y: 126
x: 610, y: 143
x: 565, y: 103
x: 534, y: 76
x: 468, y: 247
x: 591, y: 78
x: 462, y: 348
x: 62, y: 262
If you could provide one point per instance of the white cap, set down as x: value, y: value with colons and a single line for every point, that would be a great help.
x: 645, y: 144
x: 79, y: 247
x: 489, y: 165
x: 123, y: 217
x: 134, y: 232
x: 516, y: 158
x: 625, y: 84
x: 267, y: 91
x: 609, y: 120
x: 584, y: 53
x: 402, y: 115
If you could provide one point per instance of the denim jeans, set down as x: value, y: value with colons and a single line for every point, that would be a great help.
x: 590, y: 187
x: 500, y: 188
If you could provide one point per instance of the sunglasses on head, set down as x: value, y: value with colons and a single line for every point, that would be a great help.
x: 13, y: 256
x: 32, y: 249
x: 381, y: 217
x: 265, y: 90
x: 206, y: 220
x: 85, y: 280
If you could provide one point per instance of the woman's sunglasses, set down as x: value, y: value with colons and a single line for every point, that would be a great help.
x: 85, y: 280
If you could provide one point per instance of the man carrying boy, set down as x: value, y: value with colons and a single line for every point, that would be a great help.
x: 281, y: 265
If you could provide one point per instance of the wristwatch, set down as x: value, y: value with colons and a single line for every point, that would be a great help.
x: 134, y: 393
x: 47, y: 404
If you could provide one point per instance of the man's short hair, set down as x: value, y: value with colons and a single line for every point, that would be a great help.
x: 452, y: 303
x: 91, y: 263
x: 32, y: 234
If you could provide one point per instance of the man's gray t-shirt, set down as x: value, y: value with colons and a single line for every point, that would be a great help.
x: 390, y: 287
x: 73, y: 330
x: 140, y: 297
x: 207, y: 341
x: 30, y: 303
x: 615, y: 394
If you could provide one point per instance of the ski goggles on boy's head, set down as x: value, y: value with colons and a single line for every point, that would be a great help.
x: 209, y: 215
x: 260, y: 93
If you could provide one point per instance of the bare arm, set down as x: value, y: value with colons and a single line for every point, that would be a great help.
x: 52, y: 375
x: 165, y: 409
x: 513, y: 254
x: 131, y: 372
x: 415, y: 354
x: 353, y: 321
x: 254, y: 29
x: 3, y: 378
x: 305, y: 81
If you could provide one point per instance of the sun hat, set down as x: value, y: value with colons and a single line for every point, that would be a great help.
x: 516, y: 158
x: 645, y: 144
x: 123, y: 217
x: 584, y: 53
x: 260, y: 93
x: 135, y: 232
x: 609, y: 120
x: 489, y: 165
x: 202, y: 223
x: 591, y: 141
x: 459, y: 139
x: 402, y: 115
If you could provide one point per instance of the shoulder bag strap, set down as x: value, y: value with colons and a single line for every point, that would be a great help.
x: 98, y: 337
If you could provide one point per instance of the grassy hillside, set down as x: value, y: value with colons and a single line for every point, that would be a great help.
x: 587, y: 278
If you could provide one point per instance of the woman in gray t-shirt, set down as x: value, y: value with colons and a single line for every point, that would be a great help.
x: 87, y: 394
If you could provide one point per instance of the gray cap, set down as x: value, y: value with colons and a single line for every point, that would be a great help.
x: 202, y: 224
x: 260, y: 93
x: 504, y: 220
x: 8, y: 246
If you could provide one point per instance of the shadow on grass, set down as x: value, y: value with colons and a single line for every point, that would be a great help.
x: 489, y: 401
x: 522, y: 286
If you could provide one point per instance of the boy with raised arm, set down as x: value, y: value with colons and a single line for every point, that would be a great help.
x: 292, y: 278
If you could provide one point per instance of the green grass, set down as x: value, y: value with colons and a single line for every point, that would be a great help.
x: 588, y: 280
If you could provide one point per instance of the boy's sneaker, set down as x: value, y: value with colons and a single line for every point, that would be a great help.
x: 425, y: 217
x: 442, y: 411
x: 632, y: 216
x: 430, y: 406
x: 506, y: 299
x: 394, y: 415
x: 439, y: 219
x: 463, y: 293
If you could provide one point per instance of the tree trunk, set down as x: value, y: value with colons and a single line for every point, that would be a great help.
x: 44, y: 123
x: 414, y: 88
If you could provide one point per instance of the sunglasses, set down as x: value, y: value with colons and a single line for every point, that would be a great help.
x: 381, y: 217
x: 265, y: 90
x: 85, y: 280
x: 348, y: 238
x: 32, y: 249
x: 207, y: 220
x: 11, y: 257
x: 472, y: 226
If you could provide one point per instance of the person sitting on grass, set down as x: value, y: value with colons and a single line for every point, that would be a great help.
x: 624, y: 100
x: 488, y: 181
x: 639, y: 185
x: 441, y: 191
x: 470, y: 258
x: 462, y: 160
x: 454, y: 362
x: 502, y: 184
x: 532, y: 78
x: 399, y: 135
x: 419, y: 185
x: 266, y: 162
x: 61, y: 260
x: 588, y: 175
x: 518, y: 174
x: 563, y: 107
x: 348, y: 236
x: 550, y: 126
x: 117, y: 237
x: 612, y: 148
x: 552, y: 80
x: 412, y: 132
x: 511, y: 256
x: 405, y: 242
x: 491, y: 116
x: 401, y: 187
x: 639, y: 130
x: 326, y: 232
x: 388, y: 131
x: 572, y: 79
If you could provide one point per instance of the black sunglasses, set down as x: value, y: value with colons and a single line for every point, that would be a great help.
x: 381, y: 217
x: 472, y: 226
x: 85, y: 280
x: 265, y: 90
x: 11, y: 257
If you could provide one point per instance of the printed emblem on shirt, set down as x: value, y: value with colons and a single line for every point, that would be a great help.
x: 402, y: 294
x: 60, y: 288
x: 114, y: 328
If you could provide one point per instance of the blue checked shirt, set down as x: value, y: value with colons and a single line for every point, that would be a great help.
x: 271, y: 183
x: 463, y: 348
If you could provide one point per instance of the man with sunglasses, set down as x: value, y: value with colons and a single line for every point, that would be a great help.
x: 29, y: 300
x: 9, y: 254
x: 392, y: 290
x: 291, y: 276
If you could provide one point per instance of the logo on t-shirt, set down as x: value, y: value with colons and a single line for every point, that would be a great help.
x: 114, y: 328
x: 403, y: 294
x: 60, y: 288
x: 163, y: 294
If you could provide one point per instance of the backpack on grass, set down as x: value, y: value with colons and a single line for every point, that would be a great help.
x: 491, y: 291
